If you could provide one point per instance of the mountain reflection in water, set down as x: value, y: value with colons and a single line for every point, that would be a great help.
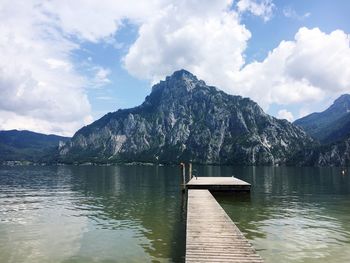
x: 137, y: 213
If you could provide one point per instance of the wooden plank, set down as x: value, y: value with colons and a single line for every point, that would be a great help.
x: 218, y: 184
x: 211, y: 236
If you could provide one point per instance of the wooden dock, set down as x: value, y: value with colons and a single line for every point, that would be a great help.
x: 218, y: 184
x: 211, y: 235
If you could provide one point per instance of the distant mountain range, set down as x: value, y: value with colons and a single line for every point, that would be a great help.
x: 332, y: 128
x: 331, y: 125
x: 28, y: 146
x: 183, y: 119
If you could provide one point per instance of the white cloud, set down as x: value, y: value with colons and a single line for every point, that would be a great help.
x: 284, y: 114
x: 291, y: 13
x: 101, y: 76
x: 92, y: 20
x: 38, y: 77
x: 313, y: 67
x: 262, y: 8
x: 10, y: 120
x: 42, y: 90
x: 209, y: 44
x: 323, y: 59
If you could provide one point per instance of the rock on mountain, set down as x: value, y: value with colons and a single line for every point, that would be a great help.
x: 334, y: 154
x: 183, y: 119
x: 331, y: 125
x: 27, y: 146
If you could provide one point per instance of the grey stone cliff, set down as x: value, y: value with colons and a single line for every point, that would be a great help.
x: 183, y: 119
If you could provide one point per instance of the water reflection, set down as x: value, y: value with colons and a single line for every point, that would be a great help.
x: 130, y: 214
x: 146, y: 200
x: 294, y: 214
x: 137, y: 214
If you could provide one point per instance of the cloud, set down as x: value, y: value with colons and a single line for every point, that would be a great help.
x: 314, y: 66
x: 291, y: 13
x: 100, y: 77
x: 323, y: 59
x: 43, y: 89
x: 40, y: 89
x: 94, y: 21
x: 262, y: 8
x: 209, y: 44
x: 39, y: 80
x: 311, y: 67
x: 284, y: 114
x: 10, y: 120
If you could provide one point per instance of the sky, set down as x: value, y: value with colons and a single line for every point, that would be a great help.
x: 64, y: 64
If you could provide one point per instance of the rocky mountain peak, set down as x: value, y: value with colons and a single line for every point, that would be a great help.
x: 182, y: 74
x: 181, y: 80
x: 183, y: 119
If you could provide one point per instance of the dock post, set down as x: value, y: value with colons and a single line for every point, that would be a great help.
x: 183, y: 169
x: 190, y: 171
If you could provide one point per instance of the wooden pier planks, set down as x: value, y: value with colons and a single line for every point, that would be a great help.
x: 218, y: 184
x: 211, y: 235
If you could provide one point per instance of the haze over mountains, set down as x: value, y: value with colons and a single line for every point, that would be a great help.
x: 183, y: 119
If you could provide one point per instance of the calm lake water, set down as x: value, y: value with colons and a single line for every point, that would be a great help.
x: 137, y: 213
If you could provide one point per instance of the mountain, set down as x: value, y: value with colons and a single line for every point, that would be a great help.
x: 332, y: 128
x: 27, y: 146
x: 331, y: 125
x: 183, y: 119
x: 333, y: 154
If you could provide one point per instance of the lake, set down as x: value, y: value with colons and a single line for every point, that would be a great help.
x: 138, y: 213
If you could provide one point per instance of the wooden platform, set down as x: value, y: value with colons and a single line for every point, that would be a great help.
x: 211, y: 235
x: 218, y: 184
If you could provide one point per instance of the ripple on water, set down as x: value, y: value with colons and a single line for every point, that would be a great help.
x: 136, y: 214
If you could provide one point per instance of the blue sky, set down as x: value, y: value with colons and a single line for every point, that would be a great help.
x: 326, y: 15
x: 65, y: 64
